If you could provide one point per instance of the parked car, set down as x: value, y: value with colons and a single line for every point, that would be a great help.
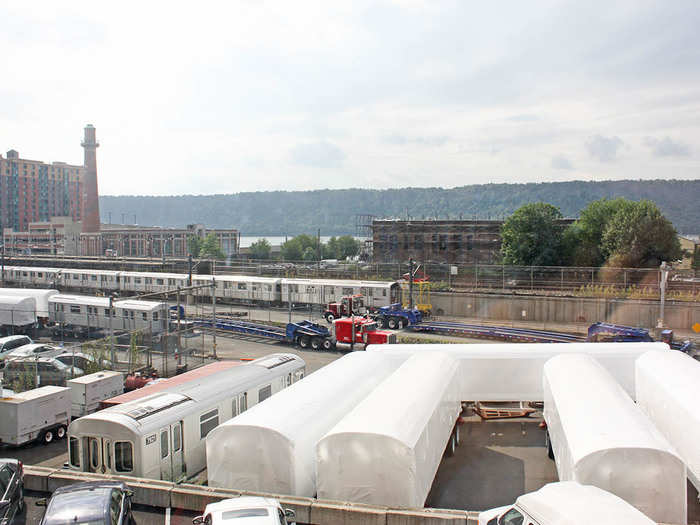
x: 34, y: 349
x: 93, y: 503
x: 50, y: 370
x: 11, y: 343
x: 236, y: 510
x: 12, y: 488
x: 79, y: 359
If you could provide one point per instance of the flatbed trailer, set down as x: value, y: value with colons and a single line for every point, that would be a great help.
x: 307, y: 334
x: 496, y: 332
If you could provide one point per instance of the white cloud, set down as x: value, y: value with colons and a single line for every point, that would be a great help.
x: 245, y: 95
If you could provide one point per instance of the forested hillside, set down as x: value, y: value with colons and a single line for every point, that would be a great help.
x: 333, y: 211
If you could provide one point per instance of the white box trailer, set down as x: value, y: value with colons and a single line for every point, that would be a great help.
x: 668, y: 391
x: 41, y: 296
x: 600, y: 437
x: 513, y: 371
x: 272, y: 446
x: 42, y: 413
x: 17, y: 312
x: 87, y: 392
x: 388, y: 449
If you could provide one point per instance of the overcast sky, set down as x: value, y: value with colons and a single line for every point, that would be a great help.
x: 221, y: 97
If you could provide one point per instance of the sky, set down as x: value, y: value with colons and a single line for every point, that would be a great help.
x: 222, y: 97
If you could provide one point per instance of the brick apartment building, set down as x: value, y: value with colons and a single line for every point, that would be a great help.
x: 34, y: 191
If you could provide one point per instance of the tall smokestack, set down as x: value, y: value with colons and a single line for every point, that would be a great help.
x: 91, y: 203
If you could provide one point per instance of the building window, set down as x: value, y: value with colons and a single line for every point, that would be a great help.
x: 264, y: 393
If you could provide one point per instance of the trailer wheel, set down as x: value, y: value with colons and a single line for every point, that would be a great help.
x: 381, y: 322
x: 304, y: 341
x: 47, y: 437
x: 330, y: 317
x: 392, y: 323
x: 315, y: 343
x: 548, y: 444
x: 327, y: 344
x: 61, y: 432
x: 456, y: 433
x: 451, y: 446
x: 401, y: 324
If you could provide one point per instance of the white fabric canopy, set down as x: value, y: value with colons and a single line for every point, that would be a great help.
x: 388, y: 449
x: 668, y: 391
x: 600, y: 437
x: 17, y: 310
x: 271, y: 447
x: 513, y: 371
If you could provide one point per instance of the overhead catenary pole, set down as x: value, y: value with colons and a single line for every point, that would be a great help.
x: 662, y: 284
x: 213, y: 310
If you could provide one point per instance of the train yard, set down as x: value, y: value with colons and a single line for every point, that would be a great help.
x: 226, y: 329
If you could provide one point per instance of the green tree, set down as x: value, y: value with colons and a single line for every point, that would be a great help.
x: 194, y: 245
x: 638, y: 235
x: 211, y: 247
x: 588, y: 230
x: 295, y: 249
x: 260, y: 249
x: 309, y: 254
x: 348, y: 246
x: 533, y: 236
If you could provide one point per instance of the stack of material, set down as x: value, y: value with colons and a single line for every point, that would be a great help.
x: 601, y: 438
x: 388, y: 449
x: 271, y: 447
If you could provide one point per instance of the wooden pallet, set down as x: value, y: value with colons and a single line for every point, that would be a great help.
x: 503, y: 411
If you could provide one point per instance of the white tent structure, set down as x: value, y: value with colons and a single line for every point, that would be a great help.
x: 668, y: 391
x: 40, y: 295
x: 17, y: 311
x: 388, y: 449
x: 513, y: 371
x: 271, y: 447
x: 600, y: 437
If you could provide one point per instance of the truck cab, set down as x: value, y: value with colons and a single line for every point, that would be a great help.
x: 365, y: 332
x: 347, y: 306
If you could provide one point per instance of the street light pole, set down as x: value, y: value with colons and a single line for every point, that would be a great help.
x: 662, y: 285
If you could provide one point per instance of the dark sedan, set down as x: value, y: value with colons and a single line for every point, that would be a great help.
x: 91, y: 503
x: 12, y: 487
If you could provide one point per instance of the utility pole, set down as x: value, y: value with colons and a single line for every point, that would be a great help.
x: 179, y: 322
x: 111, y: 331
x: 410, y: 283
x: 189, y: 274
x: 213, y: 310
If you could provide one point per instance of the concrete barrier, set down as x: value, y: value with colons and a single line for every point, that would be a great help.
x: 342, y: 513
x: 426, y: 517
x: 37, y: 478
x: 196, y: 497
x: 152, y: 492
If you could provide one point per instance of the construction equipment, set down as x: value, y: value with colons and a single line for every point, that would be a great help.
x: 396, y: 316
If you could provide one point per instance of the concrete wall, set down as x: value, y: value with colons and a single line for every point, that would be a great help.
x: 164, y: 494
x: 678, y: 315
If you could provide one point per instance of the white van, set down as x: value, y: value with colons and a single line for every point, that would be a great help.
x: 566, y: 503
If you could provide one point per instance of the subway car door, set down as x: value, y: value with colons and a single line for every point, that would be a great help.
x: 176, y: 452
x: 166, y: 468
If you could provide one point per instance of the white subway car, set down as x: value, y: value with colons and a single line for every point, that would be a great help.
x: 78, y: 313
x: 235, y: 288
x: 163, y: 436
x: 324, y: 291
